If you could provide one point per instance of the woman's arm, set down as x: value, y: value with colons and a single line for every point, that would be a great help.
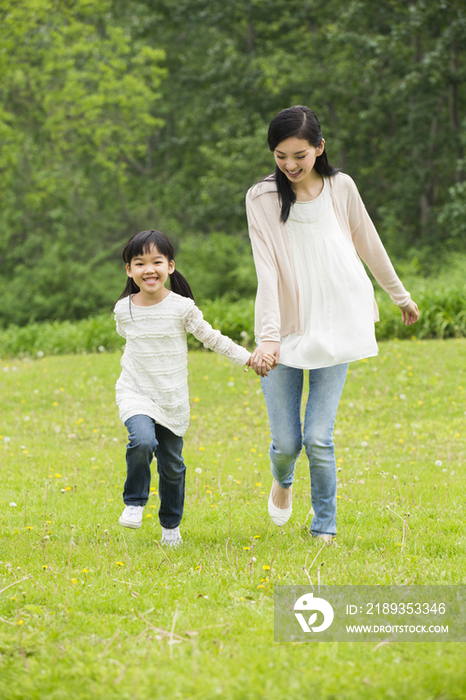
x: 409, y: 313
x: 267, y: 309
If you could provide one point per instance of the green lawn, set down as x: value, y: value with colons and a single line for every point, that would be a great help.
x: 92, y: 610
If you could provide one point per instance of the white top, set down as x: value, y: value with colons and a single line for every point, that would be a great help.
x: 154, y: 377
x: 336, y: 294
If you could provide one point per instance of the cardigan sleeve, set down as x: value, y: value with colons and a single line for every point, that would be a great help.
x: 370, y: 248
x: 267, y: 308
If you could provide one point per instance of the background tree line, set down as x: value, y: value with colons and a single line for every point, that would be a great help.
x: 118, y: 116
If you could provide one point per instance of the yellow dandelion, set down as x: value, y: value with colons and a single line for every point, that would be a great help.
x: 85, y: 571
x: 44, y: 566
x: 95, y: 430
x: 256, y: 537
x: 258, y: 483
x: 196, y: 399
x: 29, y: 527
x: 74, y: 580
x: 246, y: 547
x: 148, y: 515
x: 266, y: 567
x: 253, y: 449
x: 119, y: 563
x: 68, y: 488
x: 19, y: 622
x: 201, y: 449
x: 55, y: 403
x: 260, y: 586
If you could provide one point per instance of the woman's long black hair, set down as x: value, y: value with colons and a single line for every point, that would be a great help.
x: 141, y: 243
x: 301, y: 122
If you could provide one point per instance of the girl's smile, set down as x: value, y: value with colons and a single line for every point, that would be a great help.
x: 150, y: 271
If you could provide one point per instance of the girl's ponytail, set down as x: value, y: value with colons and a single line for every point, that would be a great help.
x: 180, y: 285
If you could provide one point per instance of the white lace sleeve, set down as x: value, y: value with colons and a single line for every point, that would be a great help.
x: 202, y: 330
x: 119, y: 325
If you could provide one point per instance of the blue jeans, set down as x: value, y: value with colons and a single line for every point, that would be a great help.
x: 146, y: 439
x: 283, y: 390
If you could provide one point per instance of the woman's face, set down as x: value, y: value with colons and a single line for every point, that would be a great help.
x: 296, y: 158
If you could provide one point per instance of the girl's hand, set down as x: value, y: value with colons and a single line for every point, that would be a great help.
x: 265, y: 357
x: 409, y: 313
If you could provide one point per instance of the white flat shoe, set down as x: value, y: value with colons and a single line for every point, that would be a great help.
x: 324, y: 539
x: 280, y: 516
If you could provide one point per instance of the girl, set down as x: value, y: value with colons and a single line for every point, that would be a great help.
x: 152, y: 391
x: 315, y: 306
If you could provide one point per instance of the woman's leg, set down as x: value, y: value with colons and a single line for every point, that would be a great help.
x: 283, y: 390
x: 172, y: 469
x: 139, y: 454
x: 325, y: 388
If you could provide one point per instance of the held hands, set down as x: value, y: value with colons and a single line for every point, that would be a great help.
x: 265, y: 357
x: 410, y: 313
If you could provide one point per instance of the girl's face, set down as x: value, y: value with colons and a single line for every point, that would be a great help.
x: 150, y: 272
x: 296, y: 158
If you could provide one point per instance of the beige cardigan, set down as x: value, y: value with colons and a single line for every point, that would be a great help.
x: 278, y: 306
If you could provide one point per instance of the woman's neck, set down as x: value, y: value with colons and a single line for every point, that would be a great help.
x: 310, y: 188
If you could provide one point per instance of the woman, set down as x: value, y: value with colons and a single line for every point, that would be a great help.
x: 315, y: 306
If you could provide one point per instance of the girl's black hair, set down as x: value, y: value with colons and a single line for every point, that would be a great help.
x: 301, y: 122
x: 141, y: 243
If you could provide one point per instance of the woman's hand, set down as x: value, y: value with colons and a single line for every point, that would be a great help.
x: 265, y: 357
x: 409, y: 313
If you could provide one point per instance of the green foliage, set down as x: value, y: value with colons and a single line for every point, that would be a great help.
x: 76, y: 113
x: 441, y: 300
x: 217, y: 265
x: 96, y: 334
x: 109, y: 127
x: 92, y: 610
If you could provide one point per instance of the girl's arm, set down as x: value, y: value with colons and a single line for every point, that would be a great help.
x: 202, y: 330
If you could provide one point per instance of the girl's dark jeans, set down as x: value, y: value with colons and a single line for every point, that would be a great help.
x: 146, y: 440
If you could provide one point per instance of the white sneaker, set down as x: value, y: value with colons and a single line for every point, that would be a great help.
x: 131, y: 517
x: 172, y: 538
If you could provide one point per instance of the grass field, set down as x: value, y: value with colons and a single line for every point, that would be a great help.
x: 92, y: 610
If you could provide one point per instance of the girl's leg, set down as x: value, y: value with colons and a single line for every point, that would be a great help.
x: 172, y: 469
x: 325, y: 388
x: 283, y: 389
x: 139, y: 454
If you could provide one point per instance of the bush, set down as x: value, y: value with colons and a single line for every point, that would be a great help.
x: 443, y: 315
